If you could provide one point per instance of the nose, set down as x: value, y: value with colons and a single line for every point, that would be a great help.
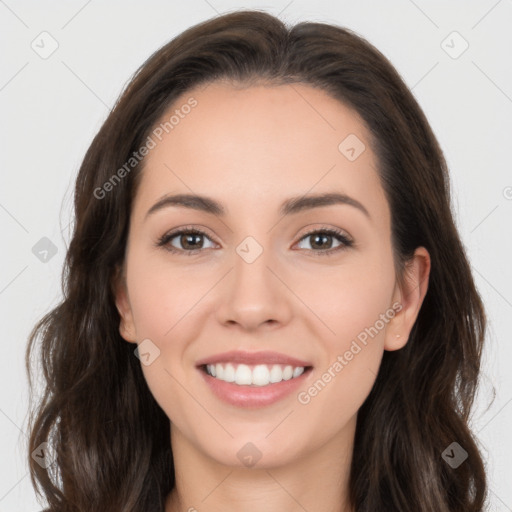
x: 254, y: 294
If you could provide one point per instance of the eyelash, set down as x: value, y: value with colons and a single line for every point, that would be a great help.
x: 164, y: 240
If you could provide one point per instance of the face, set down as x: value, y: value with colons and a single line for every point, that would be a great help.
x: 315, y: 282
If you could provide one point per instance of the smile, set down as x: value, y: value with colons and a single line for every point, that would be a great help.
x: 253, y: 375
x: 261, y: 391
x: 252, y: 379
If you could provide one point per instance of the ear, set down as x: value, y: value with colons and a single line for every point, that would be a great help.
x: 408, y: 298
x: 126, y: 325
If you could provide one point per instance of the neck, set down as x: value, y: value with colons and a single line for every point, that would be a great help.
x: 317, y: 481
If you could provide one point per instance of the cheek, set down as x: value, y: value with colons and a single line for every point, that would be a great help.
x: 161, y: 296
x: 164, y: 301
x: 351, y: 299
x: 358, y: 302
x: 354, y: 304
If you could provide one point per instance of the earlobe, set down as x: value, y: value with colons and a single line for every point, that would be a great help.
x: 126, y: 324
x: 409, y: 296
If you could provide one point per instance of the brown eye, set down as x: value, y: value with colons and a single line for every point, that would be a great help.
x: 186, y: 241
x: 321, y: 241
x: 189, y: 240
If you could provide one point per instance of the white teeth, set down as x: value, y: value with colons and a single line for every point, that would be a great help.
x: 243, y: 375
x: 288, y: 373
x: 229, y: 373
x: 298, y: 371
x: 276, y: 374
x: 259, y: 375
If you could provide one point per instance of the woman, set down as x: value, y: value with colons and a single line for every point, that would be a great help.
x: 267, y: 305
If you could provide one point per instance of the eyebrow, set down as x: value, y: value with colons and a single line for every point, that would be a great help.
x: 290, y: 206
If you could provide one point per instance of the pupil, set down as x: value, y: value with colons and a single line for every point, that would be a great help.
x: 322, y: 237
x: 188, y: 237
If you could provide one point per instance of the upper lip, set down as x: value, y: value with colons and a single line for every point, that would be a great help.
x: 262, y: 357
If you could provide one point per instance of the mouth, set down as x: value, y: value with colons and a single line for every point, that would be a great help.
x: 259, y: 375
x: 253, y: 379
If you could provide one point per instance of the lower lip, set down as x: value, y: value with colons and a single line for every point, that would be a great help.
x: 253, y: 396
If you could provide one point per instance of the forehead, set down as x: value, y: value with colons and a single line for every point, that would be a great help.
x: 263, y: 142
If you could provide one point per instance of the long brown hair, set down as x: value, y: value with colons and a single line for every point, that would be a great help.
x: 110, y: 440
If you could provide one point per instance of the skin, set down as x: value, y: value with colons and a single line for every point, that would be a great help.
x: 250, y: 149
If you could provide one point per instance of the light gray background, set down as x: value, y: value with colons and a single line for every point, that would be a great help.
x: 51, y: 108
